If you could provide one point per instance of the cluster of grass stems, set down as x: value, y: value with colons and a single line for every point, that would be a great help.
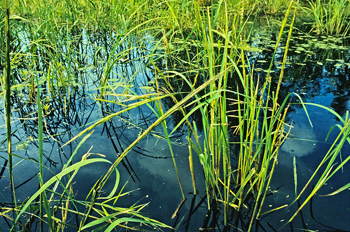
x: 231, y: 179
x: 324, y: 16
x: 329, y: 17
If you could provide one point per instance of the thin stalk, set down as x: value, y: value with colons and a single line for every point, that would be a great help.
x: 190, y: 159
x: 40, y: 127
x: 43, y: 197
x: 224, y: 121
x: 8, y: 107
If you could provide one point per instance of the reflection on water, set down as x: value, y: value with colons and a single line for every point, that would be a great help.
x: 319, y: 74
x: 322, y: 212
x: 301, y: 140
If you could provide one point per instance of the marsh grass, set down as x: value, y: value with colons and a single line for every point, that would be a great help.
x: 329, y: 17
x: 232, y: 180
x: 54, y: 203
x: 203, y: 49
x: 275, y: 6
x: 230, y: 185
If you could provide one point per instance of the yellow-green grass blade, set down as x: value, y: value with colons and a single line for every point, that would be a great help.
x: 53, y: 179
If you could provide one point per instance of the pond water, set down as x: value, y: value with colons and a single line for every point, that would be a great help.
x: 317, y: 70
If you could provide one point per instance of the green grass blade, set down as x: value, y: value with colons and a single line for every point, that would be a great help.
x: 52, y: 180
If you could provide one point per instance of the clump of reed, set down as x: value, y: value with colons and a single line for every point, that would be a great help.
x: 329, y: 17
x: 216, y: 33
x: 232, y: 178
x: 273, y: 7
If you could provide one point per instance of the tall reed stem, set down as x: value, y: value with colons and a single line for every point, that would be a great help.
x: 41, y: 163
x: 8, y: 104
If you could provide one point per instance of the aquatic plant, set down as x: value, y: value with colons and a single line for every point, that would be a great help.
x: 275, y: 6
x: 199, y: 62
x: 232, y: 179
x: 56, y: 195
x: 329, y: 17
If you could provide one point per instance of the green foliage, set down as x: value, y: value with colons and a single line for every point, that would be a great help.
x: 207, y: 40
x: 231, y: 182
x: 329, y: 17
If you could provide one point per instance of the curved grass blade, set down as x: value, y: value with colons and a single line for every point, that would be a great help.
x: 53, y: 179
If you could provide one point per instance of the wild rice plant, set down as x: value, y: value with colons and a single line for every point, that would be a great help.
x: 231, y: 182
x: 215, y: 33
x: 329, y: 17
x: 275, y: 6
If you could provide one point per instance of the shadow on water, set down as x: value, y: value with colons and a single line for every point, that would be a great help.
x: 317, y: 70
